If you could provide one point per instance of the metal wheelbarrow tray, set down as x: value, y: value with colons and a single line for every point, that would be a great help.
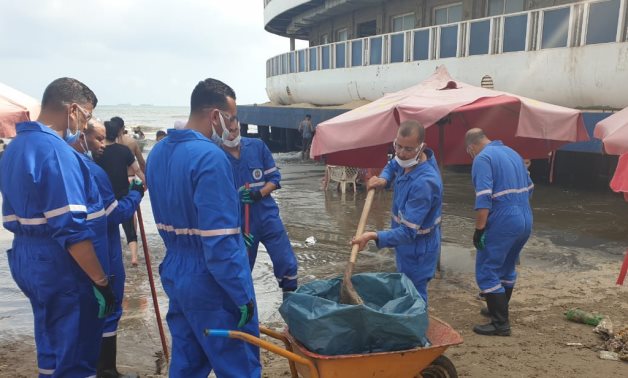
x: 410, y: 363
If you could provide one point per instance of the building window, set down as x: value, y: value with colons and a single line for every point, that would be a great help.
x: 324, y: 39
x: 342, y: 35
x: 448, y: 14
x: 403, y: 22
x: 602, y: 25
x: 497, y: 7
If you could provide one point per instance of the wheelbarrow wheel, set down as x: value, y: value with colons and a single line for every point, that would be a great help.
x: 441, y: 367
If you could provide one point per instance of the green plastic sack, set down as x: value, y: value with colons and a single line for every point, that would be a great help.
x: 393, y: 316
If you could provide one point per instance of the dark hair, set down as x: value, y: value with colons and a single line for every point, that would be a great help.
x: 65, y: 91
x: 160, y: 133
x: 308, y: 116
x: 118, y: 121
x: 112, y: 129
x: 407, y: 128
x: 210, y: 93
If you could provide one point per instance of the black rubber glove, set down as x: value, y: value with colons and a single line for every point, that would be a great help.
x: 246, y: 313
x: 138, y: 186
x: 478, y: 238
x: 105, y: 298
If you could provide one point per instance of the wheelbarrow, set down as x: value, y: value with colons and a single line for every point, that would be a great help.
x: 427, y: 362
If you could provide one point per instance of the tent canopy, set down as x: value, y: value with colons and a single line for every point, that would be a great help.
x: 447, y: 108
x: 15, y: 107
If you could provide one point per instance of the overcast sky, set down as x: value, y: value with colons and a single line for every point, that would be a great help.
x: 137, y: 51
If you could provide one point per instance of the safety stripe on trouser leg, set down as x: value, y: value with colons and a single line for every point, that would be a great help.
x: 109, y: 334
x: 46, y: 371
x: 492, y: 289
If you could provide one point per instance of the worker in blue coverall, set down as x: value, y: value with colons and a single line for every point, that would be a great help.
x: 48, y: 198
x: 503, y: 223
x: 91, y: 145
x: 252, y: 163
x: 206, y: 272
x: 416, y: 209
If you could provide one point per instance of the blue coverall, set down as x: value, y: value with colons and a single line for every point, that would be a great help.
x: 48, y: 196
x: 117, y: 211
x: 503, y: 186
x: 416, y: 217
x: 257, y: 167
x: 205, y: 272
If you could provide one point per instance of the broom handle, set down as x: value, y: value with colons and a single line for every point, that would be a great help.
x: 362, y: 225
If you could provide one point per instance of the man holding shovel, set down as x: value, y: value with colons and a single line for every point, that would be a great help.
x: 416, y: 210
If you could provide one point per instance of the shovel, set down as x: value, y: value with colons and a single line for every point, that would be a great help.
x: 348, y: 295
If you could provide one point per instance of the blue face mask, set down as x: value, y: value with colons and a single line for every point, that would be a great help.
x: 69, y: 137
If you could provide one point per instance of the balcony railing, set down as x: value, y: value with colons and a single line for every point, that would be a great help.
x: 572, y: 25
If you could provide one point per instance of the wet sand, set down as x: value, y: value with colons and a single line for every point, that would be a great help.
x: 572, y: 260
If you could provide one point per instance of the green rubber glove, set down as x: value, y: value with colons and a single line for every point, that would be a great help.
x: 248, y: 196
x: 249, y: 239
x: 479, y: 238
x: 105, y: 298
x: 246, y: 313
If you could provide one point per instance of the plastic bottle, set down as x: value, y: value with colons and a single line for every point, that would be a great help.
x: 581, y: 316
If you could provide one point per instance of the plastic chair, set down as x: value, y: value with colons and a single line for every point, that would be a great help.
x: 342, y: 176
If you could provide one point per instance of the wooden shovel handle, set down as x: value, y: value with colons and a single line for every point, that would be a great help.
x: 362, y: 225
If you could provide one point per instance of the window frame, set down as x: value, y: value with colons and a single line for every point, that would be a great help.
x: 402, y: 17
x: 447, y: 6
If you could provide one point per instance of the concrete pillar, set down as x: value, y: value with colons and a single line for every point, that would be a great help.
x: 292, y: 44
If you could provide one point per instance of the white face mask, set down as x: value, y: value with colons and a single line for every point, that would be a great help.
x: 225, y: 133
x: 409, y: 163
x: 232, y: 143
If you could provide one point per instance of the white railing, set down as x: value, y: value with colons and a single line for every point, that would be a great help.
x: 572, y: 25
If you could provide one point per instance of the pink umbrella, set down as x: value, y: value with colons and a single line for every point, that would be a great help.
x: 15, y: 107
x: 362, y: 137
x: 613, y: 131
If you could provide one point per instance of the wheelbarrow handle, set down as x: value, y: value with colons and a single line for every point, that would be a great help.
x: 291, y: 356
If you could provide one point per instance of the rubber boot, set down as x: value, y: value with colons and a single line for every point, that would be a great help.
x: 107, y: 362
x: 498, y: 308
x: 484, y: 310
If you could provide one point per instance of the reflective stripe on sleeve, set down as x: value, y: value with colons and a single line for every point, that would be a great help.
x: 65, y: 209
x: 483, y: 192
x: 97, y: 214
x: 111, y: 207
x: 270, y: 170
x: 197, y: 232
x: 257, y: 184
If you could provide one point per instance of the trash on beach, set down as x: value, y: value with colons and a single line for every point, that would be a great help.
x: 310, y: 241
x: 606, y: 355
x: 580, y: 316
x: 615, y: 346
x: 575, y: 344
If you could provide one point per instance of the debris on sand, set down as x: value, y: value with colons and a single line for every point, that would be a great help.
x: 615, y: 343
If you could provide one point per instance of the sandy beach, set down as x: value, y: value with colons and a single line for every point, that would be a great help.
x: 572, y: 260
